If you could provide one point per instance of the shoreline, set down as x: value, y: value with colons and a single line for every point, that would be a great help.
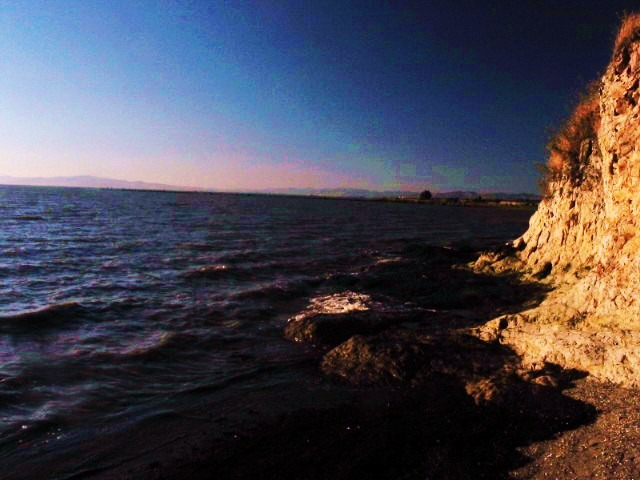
x: 444, y: 201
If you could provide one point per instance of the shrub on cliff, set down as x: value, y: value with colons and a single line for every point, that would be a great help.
x: 629, y: 31
x: 572, y: 143
x: 569, y: 148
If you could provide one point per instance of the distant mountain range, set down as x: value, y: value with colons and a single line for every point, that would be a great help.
x: 87, y: 181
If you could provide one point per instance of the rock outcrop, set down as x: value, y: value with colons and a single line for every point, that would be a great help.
x: 584, y: 240
x: 487, y: 372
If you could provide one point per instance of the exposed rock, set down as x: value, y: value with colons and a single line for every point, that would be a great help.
x: 407, y: 357
x: 607, y: 353
x: 331, y: 329
x: 332, y: 319
x: 383, y: 359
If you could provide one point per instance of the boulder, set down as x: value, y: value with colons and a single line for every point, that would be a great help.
x: 406, y: 357
x: 332, y: 319
x: 388, y: 358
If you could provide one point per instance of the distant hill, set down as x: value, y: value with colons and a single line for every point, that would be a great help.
x: 362, y: 193
x: 462, y: 195
x: 88, y: 181
x: 523, y: 197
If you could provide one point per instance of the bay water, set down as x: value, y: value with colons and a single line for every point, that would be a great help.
x: 119, y: 307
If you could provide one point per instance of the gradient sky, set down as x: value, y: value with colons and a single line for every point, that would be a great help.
x: 245, y: 95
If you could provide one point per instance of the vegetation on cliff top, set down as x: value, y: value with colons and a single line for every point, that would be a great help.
x: 572, y: 144
x: 629, y: 31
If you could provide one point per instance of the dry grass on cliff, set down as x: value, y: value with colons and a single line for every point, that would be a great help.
x: 569, y: 147
x: 629, y: 31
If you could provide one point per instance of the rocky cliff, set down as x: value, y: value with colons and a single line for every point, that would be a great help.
x: 584, y: 240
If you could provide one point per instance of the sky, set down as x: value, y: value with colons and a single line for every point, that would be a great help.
x: 259, y: 95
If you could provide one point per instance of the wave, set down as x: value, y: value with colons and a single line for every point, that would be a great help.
x: 231, y: 379
x: 83, y: 239
x: 214, y: 272
x: 262, y: 271
x: 20, y: 268
x: 130, y: 246
x: 196, y: 246
x: 151, y: 344
x: 158, y: 345
x: 28, y: 218
x: 255, y: 256
x: 44, y: 315
x: 244, y: 256
x: 278, y: 291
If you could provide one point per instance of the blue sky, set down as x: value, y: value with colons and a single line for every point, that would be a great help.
x: 235, y: 95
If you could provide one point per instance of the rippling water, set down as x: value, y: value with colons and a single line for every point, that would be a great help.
x: 116, y: 306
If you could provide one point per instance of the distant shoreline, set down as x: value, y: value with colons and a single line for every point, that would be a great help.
x: 465, y: 202
x: 440, y: 201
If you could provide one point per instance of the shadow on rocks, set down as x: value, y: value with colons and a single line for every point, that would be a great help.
x: 456, y: 406
x: 426, y: 287
x: 438, y: 278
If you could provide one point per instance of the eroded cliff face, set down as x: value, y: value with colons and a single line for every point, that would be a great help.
x: 613, y: 285
x: 584, y: 241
